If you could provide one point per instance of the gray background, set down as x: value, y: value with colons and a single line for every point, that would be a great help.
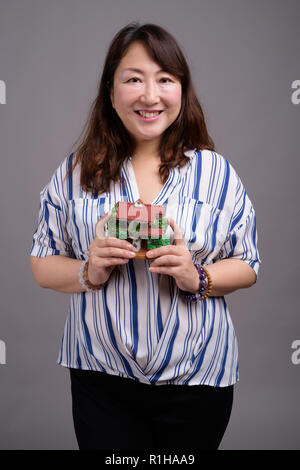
x: 244, y: 56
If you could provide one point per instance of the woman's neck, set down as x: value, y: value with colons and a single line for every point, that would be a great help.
x: 145, y: 153
x: 145, y: 160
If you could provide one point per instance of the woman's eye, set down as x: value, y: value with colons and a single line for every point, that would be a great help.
x: 133, y: 78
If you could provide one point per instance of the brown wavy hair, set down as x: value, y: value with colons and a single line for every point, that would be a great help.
x: 106, y: 143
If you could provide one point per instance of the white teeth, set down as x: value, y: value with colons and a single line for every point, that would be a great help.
x: 148, y: 115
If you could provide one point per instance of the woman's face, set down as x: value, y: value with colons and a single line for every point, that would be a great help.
x: 140, y: 86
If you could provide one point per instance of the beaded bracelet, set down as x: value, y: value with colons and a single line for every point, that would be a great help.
x: 83, y: 278
x: 205, y: 285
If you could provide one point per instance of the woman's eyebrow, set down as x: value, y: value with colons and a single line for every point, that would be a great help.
x: 133, y: 69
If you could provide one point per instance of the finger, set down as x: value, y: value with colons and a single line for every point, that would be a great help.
x: 167, y: 260
x: 107, y: 242
x: 107, y: 262
x: 178, y: 233
x: 163, y: 250
x: 113, y: 252
x: 170, y: 271
x: 99, y: 228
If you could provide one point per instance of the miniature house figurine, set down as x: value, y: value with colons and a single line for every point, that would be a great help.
x: 143, y: 225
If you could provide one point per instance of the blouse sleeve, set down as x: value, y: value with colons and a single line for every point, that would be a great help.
x: 241, y: 236
x: 51, y: 236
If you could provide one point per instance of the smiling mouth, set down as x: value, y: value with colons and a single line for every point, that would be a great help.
x: 148, y: 114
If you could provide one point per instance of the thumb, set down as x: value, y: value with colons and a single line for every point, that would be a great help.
x: 99, y: 229
x: 178, y: 234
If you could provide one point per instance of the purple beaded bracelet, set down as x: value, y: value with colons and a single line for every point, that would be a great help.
x: 204, y: 288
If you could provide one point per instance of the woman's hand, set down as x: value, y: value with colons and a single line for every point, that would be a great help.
x: 175, y: 260
x: 227, y: 275
x: 105, y: 253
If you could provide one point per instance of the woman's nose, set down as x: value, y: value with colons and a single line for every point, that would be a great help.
x: 150, y: 93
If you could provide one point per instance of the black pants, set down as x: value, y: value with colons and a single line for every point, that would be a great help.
x: 112, y: 412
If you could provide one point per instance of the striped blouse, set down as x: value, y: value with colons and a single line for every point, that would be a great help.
x: 140, y: 326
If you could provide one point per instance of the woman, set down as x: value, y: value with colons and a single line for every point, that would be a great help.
x: 149, y: 343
